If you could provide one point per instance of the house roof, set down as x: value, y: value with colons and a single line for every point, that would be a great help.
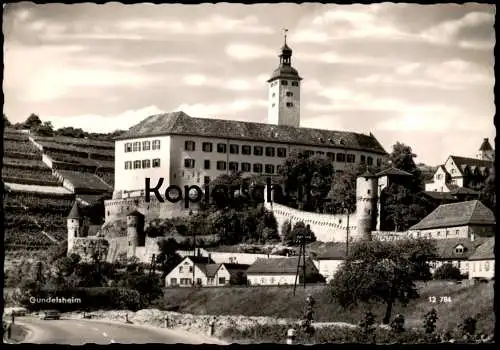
x: 230, y: 266
x: 457, y: 214
x: 89, y: 199
x: 485, y: 251
x: 75, y: 212
x: 446, y: 248
x: 281, y: 266
x: 486, y: 146
x: 394, y: 172
x: 209, y: 269
x: 199, y: 259
x: 179, y: 123
x: 463, y: 190
x: 461, y: 162
x: 439, y: 195
x: 331, y: 251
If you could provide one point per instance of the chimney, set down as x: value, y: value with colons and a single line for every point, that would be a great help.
x: 209, y: 257
x: 199, y: 252
x: 472, y: 237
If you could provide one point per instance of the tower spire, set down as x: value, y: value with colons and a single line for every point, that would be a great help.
x: 285, y: 31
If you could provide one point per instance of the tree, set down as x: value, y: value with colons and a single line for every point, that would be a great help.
x: 299, y: 229
x: 46, y: 129
x: 402, y: 157
x: 239, y: 279
x: 32, y: 122
x: 383, y: 271
x: 447, y: 272
x: 6, y: 121
x: 488, y: 192
x: 343, y: 191
x: 168, y: 257
x: 308, y: 179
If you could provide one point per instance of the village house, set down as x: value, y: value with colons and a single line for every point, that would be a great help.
x: 456, y: 220
x: 482, y: 262
x: 329, y: 258
x: 455, y: 251
x: 280, y: 271
x: 462, y: 172
x: 205, y: 272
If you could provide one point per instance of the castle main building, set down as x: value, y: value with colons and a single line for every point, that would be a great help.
x: 193, y: 151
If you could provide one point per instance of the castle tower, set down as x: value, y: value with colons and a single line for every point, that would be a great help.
x: 74, y: 223
x: 134, y: 231
x: 486, y: 152
x: 366, y: 204
x: 284, y: 91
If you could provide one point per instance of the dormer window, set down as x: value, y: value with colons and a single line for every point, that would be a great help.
x: 459, y: 249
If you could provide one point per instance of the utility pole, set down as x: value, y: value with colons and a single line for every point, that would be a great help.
x: 301, y: 238
x: 347, y: 235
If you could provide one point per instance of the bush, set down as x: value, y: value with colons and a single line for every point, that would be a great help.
x: 447, y: 272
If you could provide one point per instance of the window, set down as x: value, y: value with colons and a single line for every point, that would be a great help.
x: 278, y: 169
x: 473, y: 267
x: 330, y: 155
x: 128, y: 165
x: 221, y: 148
x: 206, y: 147
x: 180, y: 268
x: 363, y: 158
x: 156, y: 163
x: 222, y: 280
x: 189, y: 163
x: 234, y: 149
x: 480, y: 266
x: 156, y: 144
x: 189, y: 145
x: 257, y: 168
x: 206, y: 164
x: 289, y: 104
x: 245, y: 149
x: 284, y: 82
x: 190, y: 269
x: 379, y: 162
x: 289, y: 93
x: 128, y: 147
x: 457, y: 232
x: 136, y: 147
x: 137, y: 164
x: 486, y: 266
x: 368, y: 192
x: 221, y: 165
x: 281, y: 152
x: 210, y: 280
x: 295, y: 83
x: 233, y: 166
x: 308, y: 153
x: 146, y: 145
x: 274, y: 94
x: 269, y: 151
x: 198, y: 281
x: 272, y: 280
x: 369, y: 161
x: 146, y: 163
x: 320, y: 153
x: 206, y: 180
x: 257, y: 150
x: 245, y: 167
x: 173, y: 281
x: 269, y: 169
x: 340, y: 157
x: 351, y: 158
x: 438, y: 233
x: 274, y: 104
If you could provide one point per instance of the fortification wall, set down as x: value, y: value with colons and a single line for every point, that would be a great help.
x: 144, y: 254
x: 117, y: 209
x: 326, y: 227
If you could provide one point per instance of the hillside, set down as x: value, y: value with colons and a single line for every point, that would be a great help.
x: 43, y: 176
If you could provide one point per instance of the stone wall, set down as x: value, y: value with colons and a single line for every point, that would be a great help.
x: 326, y: 227
x: 86, y: 247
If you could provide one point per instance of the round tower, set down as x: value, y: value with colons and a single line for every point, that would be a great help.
x: 74, y: 223
x: 366, y: 204
x: 132, y: 232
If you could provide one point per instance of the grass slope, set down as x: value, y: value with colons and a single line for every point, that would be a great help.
x: 475, y: 301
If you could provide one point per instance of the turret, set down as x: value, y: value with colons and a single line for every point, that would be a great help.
x: 74, y: 223
x: 486, y: 152
x: 366, y: 204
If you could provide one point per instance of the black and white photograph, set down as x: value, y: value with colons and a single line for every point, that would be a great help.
x: 247, y: 174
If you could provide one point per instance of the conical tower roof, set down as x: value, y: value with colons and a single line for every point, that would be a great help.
x: 486, y: 146
x: 75, y: 212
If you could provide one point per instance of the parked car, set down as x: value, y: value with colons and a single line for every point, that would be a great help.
x: 50, y: 315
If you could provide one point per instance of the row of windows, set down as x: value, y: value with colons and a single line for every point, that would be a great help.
x: 480, y: 266
x: 233, y: 166
x: 144, y: 145
x: 207, y: 147
x: 142, y: 164
x: 288, y: 93
x: 285, y: 83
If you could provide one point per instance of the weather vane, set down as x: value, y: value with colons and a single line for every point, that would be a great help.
x: 284, y: 33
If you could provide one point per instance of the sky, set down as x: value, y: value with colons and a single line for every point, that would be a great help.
x: 418, y: 74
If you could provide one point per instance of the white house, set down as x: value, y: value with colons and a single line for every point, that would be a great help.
x: 466, y: 172
x: 279, y: 271
x: 482, y: 262
x: 455, y: 251
x: 329, y: 259
x: 457, y: 220
x: 193, y: 151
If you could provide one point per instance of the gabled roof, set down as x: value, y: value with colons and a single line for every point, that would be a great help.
x: 75, y: 212
x: 486, y: 146
x: 463, y: 190
x: 209, y: 269
x: 281, y: 266
x: 439, y: 195
x: 394, y: 172
x: 199, y: 259
x: 457, y: 214
x: 485, y: 251
x: 470, y: 162
x: 179, y: 123
x: 446, y: 248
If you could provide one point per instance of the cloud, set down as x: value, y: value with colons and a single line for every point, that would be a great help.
x: 235, y: 84
x: 220, y: 110
x: 248, y: 52
x: 102, y: 124
x: 407, y: 69
x: 458, y: 71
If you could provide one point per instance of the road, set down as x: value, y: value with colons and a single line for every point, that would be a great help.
x: 79, y: 332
